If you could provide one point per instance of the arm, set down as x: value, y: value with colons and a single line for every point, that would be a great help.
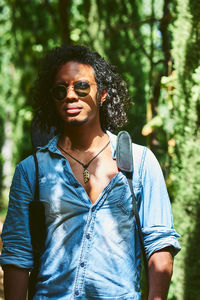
x: 15, y: 282
x: 160, y: 271
x: 157, y: 227
x: 16, y: 257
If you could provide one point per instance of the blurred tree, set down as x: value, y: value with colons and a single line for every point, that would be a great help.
x: 181, y: 119
x: 158, y: 53
x: 27, y: 31
x: 185, y: 170
x: 134, y: 36
x: 9, y: 79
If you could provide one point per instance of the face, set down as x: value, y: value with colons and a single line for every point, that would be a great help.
x: 78, y: 106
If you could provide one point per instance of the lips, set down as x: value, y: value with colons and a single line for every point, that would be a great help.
x: 73, y: 109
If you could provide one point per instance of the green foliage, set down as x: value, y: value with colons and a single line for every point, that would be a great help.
x: 26, y: 32
x: 155, y: 46
x: 108, y: 27
x: 185, y: 188
x: 181, y: 95
x: 7, y: 81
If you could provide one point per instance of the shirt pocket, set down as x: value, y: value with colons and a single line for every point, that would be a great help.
x: 51, y: 193
x: 119, y: 199
x: 126, y: 201
x: 60, y: 198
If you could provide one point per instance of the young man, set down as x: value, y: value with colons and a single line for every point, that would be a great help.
x: 92, y: 250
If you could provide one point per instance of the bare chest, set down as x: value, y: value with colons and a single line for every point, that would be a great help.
x: 100, y: 172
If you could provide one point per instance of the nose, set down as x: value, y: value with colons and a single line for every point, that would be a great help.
x: 71, y: 93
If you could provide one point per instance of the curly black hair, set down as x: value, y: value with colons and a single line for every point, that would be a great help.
x: 113, y: 110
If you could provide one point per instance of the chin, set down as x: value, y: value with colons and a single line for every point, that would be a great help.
x: 76, y: 123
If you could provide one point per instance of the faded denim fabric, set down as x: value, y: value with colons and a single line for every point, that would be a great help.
x: 92, y: 250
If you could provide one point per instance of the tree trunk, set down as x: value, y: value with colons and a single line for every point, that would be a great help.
x: 64, y: 12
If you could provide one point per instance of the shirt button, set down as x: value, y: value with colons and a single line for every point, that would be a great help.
x: 76, y: 293
x: 82, y: 264
x: 76, y: 185
x: 88, y: 236
x: 64, y: 162
x: 93, y: 208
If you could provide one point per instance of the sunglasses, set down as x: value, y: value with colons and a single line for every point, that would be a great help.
x: 81, y: 88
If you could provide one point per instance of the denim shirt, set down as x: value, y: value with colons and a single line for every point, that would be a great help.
x: 92, y: 251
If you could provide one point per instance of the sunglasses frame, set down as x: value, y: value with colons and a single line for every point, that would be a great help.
x: 66, y: 89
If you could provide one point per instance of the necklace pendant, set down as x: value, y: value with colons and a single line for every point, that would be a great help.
x: 86, y: 175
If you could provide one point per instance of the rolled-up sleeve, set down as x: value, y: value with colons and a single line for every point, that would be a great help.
x: 155, y: 209
x: 17, y: 249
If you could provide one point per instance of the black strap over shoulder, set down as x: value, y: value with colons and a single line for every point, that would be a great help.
x: 37, y: 230
x: 37, y: 216
x: 124, y: 152
x: 124, y: 158
x: 37, y: 192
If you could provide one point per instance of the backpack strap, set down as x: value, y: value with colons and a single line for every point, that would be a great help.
x: 37, y: 216
x: 37, y: 230
x: 124, y: 158
x: 37, y: 188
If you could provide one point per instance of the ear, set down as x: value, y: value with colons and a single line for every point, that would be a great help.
x: 103, y: 96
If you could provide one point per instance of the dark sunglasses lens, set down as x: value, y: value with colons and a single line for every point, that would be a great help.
x: 82, y: 89
x: 59, y: 92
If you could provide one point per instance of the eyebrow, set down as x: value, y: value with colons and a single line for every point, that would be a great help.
x: 61, y: 82
x: 65, y: 83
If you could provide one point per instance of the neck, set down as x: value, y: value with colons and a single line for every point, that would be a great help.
x: 82, y: 137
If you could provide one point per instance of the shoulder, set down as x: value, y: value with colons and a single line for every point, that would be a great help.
x: 151, y: 163
x: 113, y: 140
x: 136, y: 147
x: 42, y: 152
x: 27, y: 163
x: 24, y: 174
x: 139, y: 153
x: 27, y: 166
x: 143, y: 158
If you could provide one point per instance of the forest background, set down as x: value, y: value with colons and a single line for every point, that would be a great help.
x: 156, y: 47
